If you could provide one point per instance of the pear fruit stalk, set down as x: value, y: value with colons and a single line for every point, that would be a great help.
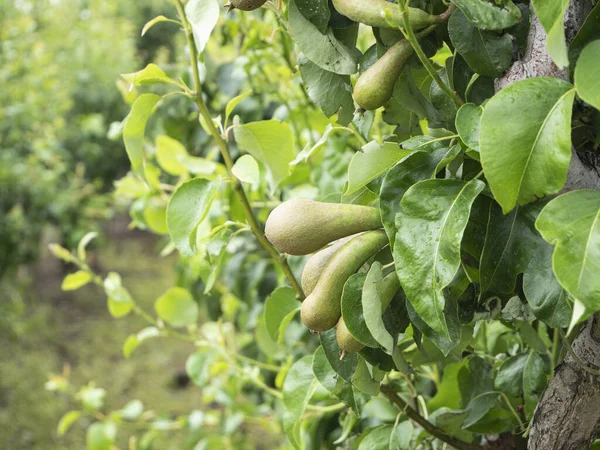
x: 321, y: 310
x: 348, y: 343
x: 301, y: 227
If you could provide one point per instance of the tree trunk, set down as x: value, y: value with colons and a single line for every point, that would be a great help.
x: 568, y: 413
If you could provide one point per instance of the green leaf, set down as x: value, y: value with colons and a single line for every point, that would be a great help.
x: 447, y: 394
x: 486, y: 52
x: 374, y: 160
x: 134, y: 128
x: 188, y: 206
x: 344, y: 368
x: 316, y: 12
x: 156, y: 20
x: 510, y: 375
x: 323, y: 49
x: 177, y: 307
x: 151, y: 74
x: 246, y: 170
x: 586, y: 75
x: 352, y: 310
x: 279, y: 304
x: 299, y: 386
x: 198, y: 365
x: 468, y: 120
x: 60, y: 252
x: 74, y: 281
x: 203, y: 16
x: 328, y: 90
x: 376, y: 438
x: 571, y: 223
x: 66, y: 421
x: 120, y: 302
x: 427, y: 261
x: 231, y: 104
x: 487, y: 16
x: 416, y: 167
x: 401, y: 436
x: 155, y: 215
x: 363, y: 380
x: 509, y: 244
x: 479, y: 406
x: 132, y: 410
x: 171, y: 154
x: 527, y: 127
x: 548, y: 300
x: 534, y: 382
x: 101, y: 436
x: 372, y: 307
x: 589, y: 31
x: 551, y: 14
x: 270, y: 142
x: 83, y: 243
x: 133, y: 341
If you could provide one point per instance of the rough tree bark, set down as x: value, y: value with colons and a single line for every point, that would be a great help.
x: 568, y: 413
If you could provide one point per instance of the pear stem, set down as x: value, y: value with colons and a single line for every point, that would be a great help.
x: 196, y: 95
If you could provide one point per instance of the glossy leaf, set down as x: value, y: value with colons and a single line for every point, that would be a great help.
x: 587, y: 82
x: 589, y: 31
x: 509, y: 244
x: 270, y: 142
x: 298, y: 388
x: 352, y: 310
x: 343, y: 367
x: 487, y: 16
x: 526, y: 127
x: 416, y: 167
x: 548, y: 300
x: 374, y: 160
x: 278, y: 305
x: 177, y: 307
x: 571, y: 223
x: 510, y: 375
x: 325, y: 50
x: 468, y: 120
x: 203, y: 16
x: 551, y: 14
x: 316, y: 12
x: 134, y: 128
x: 187, y: 207
x: 431, y: 220
x: 534, y: 382
x: 372, y: 307
x: 328, y: 90
x: 486, y: 52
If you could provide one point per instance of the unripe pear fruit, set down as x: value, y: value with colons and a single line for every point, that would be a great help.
x: 316, y: 263
x: 370, y: 12
x: 348, y: 343
x: 246, y: 5
x: 321, y: 310
x: 301, y: 227
x: 375, y: 86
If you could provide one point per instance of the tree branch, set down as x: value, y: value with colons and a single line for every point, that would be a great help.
x: 196, y: 95
x: 427, y: 426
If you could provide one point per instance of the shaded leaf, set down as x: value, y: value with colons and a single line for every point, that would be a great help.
x: 487, y: 16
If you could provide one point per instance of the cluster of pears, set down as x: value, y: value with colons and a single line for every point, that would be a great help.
x: 302, y: 227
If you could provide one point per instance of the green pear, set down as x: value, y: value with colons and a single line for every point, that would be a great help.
x: 246, y: 5
x: 321, y: 310
x: 316, y: 263
x: 301, y: 227
x: 348, y: 343
x: 370, y: 12
x: 375, y: 86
